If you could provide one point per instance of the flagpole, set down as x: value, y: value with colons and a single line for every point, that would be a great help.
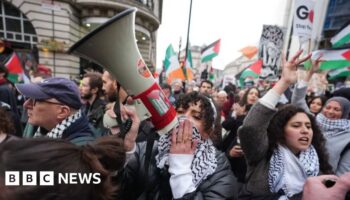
x: 188, y: 37
x: 309, y: 47
x: 178, y: 56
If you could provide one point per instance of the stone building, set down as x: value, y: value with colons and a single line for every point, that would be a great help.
x: 45, y: 29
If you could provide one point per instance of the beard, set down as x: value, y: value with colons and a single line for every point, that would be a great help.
x: 112, y: 97
x: 87, y: 96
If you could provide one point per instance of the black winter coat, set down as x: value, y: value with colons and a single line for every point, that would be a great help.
x: 135, y: 185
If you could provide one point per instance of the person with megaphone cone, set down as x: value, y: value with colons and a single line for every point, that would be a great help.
x: 184, y: 164
x: 113, y: 90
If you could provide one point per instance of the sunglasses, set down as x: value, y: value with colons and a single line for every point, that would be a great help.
x: 33, y: 101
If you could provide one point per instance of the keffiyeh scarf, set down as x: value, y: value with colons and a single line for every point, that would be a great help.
x: 333, y: 127
x: 61, y: 127
x: 204, y: 162
x: 288, y: 172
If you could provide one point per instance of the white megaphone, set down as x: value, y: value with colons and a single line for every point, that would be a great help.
x: 113, y: 46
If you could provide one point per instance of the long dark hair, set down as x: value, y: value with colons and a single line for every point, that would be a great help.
x: 105, y: 156
x: 244, y: 100
x: 211, y: 125
x: 322, y: 98
x: 276, y: 134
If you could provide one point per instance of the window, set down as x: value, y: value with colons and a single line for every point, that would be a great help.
x: 28, y: 27
x: 11, y: 10
x: 12, y: 29
x: 13, y: 25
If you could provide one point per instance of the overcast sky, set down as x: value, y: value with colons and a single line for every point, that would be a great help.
x: 237, y: 22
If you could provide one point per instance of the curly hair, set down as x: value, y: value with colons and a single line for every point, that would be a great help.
x: 244, y: 100
x: 276, y: 134
x: 211, y: 124
x: 6, y: 123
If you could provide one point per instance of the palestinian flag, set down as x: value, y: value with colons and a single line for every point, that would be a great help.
x: 189, y: 65
x: 253, y: 71
x: 172, y: 66
x: 342, y: 37
x: 343, y: 72
x: 211, y: 74
x: 210, y: 51
x: 14, y: 68
x: 333, y: 58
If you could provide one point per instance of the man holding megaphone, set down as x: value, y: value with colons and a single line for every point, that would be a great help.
x: 184, y: 161
x: 113, y: 90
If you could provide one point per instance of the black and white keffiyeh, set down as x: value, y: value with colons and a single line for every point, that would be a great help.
x: 288, y: 172
x: 333, y: 127
x: 61, y: 127
x: 204, y: 162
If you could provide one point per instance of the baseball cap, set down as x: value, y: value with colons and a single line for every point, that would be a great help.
x: 62, y: 89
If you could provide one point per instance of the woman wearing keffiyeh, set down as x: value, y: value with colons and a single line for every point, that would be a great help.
x: 282, y: 148
x: 184, y: 163
x: 333, y: 121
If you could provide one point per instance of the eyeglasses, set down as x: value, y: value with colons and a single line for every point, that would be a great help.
x: 34, y: 101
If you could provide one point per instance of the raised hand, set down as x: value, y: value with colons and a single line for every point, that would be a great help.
x: 289, y: 68
x: 238, y: 109
x: 314, y: 68
x: 131, y: 135
x: 289, y: 72
x: 181, y: 139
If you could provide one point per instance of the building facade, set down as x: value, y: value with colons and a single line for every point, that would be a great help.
x: 329, y: 17
x: 45, y: 29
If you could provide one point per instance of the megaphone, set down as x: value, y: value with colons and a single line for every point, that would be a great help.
x: 112, y: 45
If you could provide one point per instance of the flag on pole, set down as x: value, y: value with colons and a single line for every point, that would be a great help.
x: 210, y: 51
x: 336, y: 73
x: 172, y: 66
x: 342, y: 37
x: 189, y: 65
x: 211, y: 74
x: 15, y: 69
x: 252, y: 70
x: 333, y: 58
x: 249, y: 51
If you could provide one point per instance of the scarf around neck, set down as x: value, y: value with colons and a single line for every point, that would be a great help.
x: 57, y: 132
x: 204, y: 162
x: 288, y: 172
x: 333, y: 127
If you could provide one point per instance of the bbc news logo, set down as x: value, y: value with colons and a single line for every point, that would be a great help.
x: 47, y: 178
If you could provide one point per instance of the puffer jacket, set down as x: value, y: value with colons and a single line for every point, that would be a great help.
x: 135, y: 185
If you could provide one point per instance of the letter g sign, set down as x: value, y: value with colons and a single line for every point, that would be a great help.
x: 302, y: 12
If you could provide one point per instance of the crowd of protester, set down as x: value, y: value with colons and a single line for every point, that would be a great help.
x: 230, y: 142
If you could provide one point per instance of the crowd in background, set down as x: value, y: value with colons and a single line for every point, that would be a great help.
x: 230, y: 143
